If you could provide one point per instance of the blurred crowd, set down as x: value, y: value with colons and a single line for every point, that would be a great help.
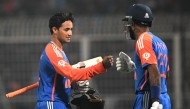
x: 83, y: 7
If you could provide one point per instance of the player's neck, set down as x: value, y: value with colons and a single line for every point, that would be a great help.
x: 142, y: 30
x: 57, y: 43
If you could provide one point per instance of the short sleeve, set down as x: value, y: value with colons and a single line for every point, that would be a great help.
x: 145, y: 51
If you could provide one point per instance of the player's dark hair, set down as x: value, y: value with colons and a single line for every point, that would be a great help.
x: 57, y: 19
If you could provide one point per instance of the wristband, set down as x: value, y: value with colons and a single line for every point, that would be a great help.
x: 155, y: 91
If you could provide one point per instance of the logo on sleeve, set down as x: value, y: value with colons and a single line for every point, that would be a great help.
x: 146, y: 55
x: 61, y: 63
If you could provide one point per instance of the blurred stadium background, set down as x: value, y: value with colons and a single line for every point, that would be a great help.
x: 97, y: 31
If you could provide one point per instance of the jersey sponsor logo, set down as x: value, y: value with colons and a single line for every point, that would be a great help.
x: 61, y: 63
x: 140, y: 42
x: 146, y: 55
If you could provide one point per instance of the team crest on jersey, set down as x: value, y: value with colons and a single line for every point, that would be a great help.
x: 61, y: 63
x: 146, y: 55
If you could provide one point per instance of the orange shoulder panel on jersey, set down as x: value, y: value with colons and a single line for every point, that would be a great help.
x: 145, y: 50
x: 65, y: 69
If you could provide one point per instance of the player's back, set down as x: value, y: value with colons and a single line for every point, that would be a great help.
x: 150, y: 50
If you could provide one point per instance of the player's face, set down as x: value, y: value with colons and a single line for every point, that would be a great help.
x: 132, y: 34
x: 129, y: 34
x: 64, y: 33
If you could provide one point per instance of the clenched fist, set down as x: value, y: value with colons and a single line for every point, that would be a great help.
x: 108, y: 61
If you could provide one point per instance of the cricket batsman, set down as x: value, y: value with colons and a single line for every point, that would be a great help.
x: 150, y: 66
x: 55, y: 72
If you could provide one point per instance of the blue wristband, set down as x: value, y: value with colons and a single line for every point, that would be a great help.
x: 155, y: 91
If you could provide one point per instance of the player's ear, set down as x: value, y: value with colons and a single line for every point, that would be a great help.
x: 55, y: 30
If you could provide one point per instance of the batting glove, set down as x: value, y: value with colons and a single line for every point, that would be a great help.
x: 80, y: 86
x: 156, y: 105
x: 124, y: 63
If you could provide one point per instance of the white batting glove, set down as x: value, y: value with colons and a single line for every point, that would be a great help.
x: 81, y: 86
x: 156, y: 105
x: 83, y: 83
x: 124, y: 63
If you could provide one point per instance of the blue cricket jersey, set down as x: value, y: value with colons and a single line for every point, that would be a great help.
x: 56, y: 75
x: 150, y: 50
x: 52, y: 86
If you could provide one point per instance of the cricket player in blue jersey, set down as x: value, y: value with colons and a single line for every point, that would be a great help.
x: 150, y: 66
x: 55, y: 72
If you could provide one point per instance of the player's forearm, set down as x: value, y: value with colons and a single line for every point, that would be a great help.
x: 154, y: 75
x: 154, y: 82
x: 75, y: 74
x: 155, y: 89
x: 87, y: 73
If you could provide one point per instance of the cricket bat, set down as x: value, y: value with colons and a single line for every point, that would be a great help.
x: 90, y: 62
x: 87, y: 63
